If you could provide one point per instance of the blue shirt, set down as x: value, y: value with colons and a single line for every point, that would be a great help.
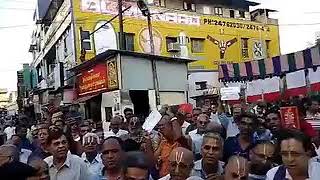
x: 232, y: 147
x: 25, y: 144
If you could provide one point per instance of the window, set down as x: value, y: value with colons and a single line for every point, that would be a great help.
x: 218, y: 11
x: 206, y: 10
x: 129, y: 41
x: 244, y: 46
x: 197, y: 45
x: 189, y: 6
x: 161, y: 3
x: 242, y: 14
x: 171, y: 40
x: 232, y: 13
x: 85, y: 40
x: 268, y: 48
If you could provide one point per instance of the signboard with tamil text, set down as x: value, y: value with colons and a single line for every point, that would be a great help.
x: 93, y: 81
x: 290, y: 117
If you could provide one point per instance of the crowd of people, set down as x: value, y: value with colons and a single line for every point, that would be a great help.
x: 248, y: 143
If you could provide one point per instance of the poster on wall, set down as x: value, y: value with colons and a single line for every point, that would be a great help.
x: 290, y: 117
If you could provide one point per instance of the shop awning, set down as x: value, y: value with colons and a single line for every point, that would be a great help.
x: 84, y: 99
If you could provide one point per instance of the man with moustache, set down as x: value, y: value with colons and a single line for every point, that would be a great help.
x: 242, y: 143
x: 295, y: 150
x: 62, y: 164
x: 210, y: 166
x: 90, y: 155
x: 261, y: 156
x: 112, y: 155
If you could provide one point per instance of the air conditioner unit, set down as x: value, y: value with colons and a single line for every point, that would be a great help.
x: 173, y: 47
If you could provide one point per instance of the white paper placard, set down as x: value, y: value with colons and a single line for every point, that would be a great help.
x: 230, y: 93
x: 151, y: 121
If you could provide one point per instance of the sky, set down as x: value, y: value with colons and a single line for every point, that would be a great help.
x: 299, y: 21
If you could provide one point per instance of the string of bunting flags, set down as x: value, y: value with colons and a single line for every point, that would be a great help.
x: 275, y: 66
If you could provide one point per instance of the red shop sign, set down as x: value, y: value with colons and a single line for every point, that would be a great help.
x: 93, y: 81
x: 290, y: 117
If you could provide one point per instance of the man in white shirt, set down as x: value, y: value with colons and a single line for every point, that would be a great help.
x: 197, y: 134
x: 62, y: 164
x: 10, y: 130
x: 91, y: 156
x: 114, y: 129
x: 214, y: 114
x: 295, y: 148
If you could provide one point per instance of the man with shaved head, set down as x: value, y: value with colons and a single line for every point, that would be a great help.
x: 112, y: 155
x: 197, y: 134
x: 10, y: 167
x: 237, y: 168
x: 181, y: 164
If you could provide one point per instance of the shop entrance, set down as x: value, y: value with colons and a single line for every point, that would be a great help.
x: 140, y: 101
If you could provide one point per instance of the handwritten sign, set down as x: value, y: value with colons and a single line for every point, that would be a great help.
x: 230, y: 93
x: 290, y: 117
x: 93, y: 81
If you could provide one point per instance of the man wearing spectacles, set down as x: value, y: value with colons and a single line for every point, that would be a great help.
x: 261, y: 160
x: 295, y: 150
x: 197, y: 134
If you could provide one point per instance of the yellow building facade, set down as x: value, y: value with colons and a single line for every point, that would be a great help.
x: 209, y: 39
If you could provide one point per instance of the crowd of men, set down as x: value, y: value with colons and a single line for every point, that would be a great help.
x: 207, y: 143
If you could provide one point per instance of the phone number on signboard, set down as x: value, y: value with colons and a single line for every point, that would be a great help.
x: 235, y: 25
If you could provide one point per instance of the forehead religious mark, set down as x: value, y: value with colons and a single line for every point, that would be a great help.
x: 178, y: 156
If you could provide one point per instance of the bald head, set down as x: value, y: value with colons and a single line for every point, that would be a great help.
x: 184, y: 154
x: 181, y: 163
x: 237, y: 166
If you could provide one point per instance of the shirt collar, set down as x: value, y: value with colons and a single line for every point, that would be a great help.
x: 66, y: 163
x: 198, y: 166
x: 97, y: 159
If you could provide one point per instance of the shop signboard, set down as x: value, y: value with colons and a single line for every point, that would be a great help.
x: 290, y: 117
x: 93, y: 81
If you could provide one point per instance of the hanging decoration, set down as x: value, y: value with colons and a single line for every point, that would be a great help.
x: 275, y: 66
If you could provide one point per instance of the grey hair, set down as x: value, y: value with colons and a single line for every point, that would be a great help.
x: 14, y: 152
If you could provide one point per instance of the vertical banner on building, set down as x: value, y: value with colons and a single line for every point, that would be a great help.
x: 290, y: 117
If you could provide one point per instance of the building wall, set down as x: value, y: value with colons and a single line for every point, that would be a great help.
x: 222, y: 29
x: 137, y: 75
